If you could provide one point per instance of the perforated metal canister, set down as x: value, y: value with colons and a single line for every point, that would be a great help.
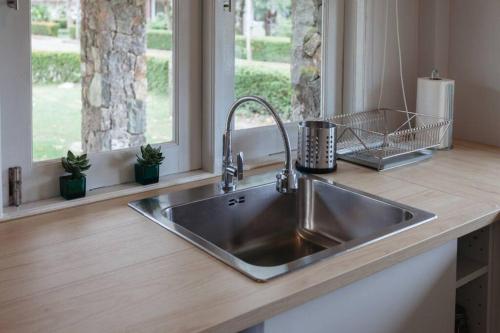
x: 317, y: 148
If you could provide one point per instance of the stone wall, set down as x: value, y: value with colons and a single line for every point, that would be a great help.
x: 114, y: 83
x: 306, y: 58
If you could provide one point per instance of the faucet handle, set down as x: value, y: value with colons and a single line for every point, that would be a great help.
x: 287, y: 182
x: 240, y: 165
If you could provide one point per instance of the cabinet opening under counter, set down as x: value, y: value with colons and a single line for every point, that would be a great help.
x: 478, y: 281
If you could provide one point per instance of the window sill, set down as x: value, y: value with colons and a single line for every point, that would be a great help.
x: 253, y: 166
x: 101, y: 194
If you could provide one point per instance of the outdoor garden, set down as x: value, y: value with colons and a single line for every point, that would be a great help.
x: 262, y: 69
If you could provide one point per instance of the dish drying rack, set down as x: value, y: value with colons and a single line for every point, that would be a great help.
x: 386, y: 138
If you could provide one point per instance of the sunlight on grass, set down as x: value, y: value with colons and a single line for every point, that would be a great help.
x: 57, y: 120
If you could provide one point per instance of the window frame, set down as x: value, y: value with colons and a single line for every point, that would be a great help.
x: 220, y: 30
x: 1, y: 182
x: 40, y: 179
x: 355, y: 55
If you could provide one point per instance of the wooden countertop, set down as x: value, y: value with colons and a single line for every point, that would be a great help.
x: 103, y: 267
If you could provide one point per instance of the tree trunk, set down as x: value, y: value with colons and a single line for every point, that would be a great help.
x: 306, y: 58
x: 240, y: 17
x: 114, y: 83
x: 269, y: 21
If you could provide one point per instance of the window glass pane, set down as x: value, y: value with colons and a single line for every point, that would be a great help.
x: 102, y: 75
x: 278, y: 57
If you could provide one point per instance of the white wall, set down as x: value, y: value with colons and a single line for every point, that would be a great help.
x: 434, y: 37
x: 364, y: 49
x: 409, y: 22
x: 458, y: 37
x: 475, y: 65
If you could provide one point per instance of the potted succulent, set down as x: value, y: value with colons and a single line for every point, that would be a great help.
x: 147, y: 168
x: 74, y: 186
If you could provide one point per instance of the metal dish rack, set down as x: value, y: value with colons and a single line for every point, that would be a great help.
x: 385, y: 138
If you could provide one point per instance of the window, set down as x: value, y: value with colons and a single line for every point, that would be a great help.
x: 275, y: 49
x: 103, y: 78
x: 144, y: 84
x: 104, y: 95
x: 278, y: 47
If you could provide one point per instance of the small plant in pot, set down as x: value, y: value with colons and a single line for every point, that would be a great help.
x: 147, y: 168
x: 74, y: 186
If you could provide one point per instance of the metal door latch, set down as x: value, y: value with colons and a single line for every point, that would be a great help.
x: 14, y: 4
x: 228, y: 6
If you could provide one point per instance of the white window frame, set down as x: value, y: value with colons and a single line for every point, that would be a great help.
x: 355, y: 49
x: 219, y: 74
x: 41, y: 179
x: 1, y: 178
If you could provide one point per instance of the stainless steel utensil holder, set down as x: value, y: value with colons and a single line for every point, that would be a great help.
x: 316, y: 151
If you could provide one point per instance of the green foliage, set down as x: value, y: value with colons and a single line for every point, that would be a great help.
x: 160, y: 22
x: 72, y: 32
x: 75, y: 165
x: 61, y: 14
x: 284, y: 28
x: 274, y: 86
x: 158, y: 74
x: 159, y: 39
x: 55, y: 67
x: 63, y: 24
x: 51, y: 139
x: 40, y: 13
x: 283, y: 7
x: 274, y: 49
x: 277, y: 12
x: 45, y: 28
x: 61, y: 67
x: 150, y: 156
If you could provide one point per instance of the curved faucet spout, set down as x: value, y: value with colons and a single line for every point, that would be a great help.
x: 286, y: 179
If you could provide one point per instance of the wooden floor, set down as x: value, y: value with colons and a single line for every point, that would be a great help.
x: 102, y: 267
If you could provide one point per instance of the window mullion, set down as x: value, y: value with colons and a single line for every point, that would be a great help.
x: 218, y: 87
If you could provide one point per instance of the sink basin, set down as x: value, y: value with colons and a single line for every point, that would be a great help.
x: 264, y: 234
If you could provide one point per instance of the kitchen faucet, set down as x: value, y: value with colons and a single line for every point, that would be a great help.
x: 286, y: 179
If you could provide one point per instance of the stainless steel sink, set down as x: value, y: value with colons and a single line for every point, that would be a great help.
x: 264, y: 234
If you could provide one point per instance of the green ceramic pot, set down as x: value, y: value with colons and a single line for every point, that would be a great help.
x: 147, y: 174
x: 72, y: 188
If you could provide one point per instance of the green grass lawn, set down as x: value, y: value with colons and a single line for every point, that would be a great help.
x: 57, y: 120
